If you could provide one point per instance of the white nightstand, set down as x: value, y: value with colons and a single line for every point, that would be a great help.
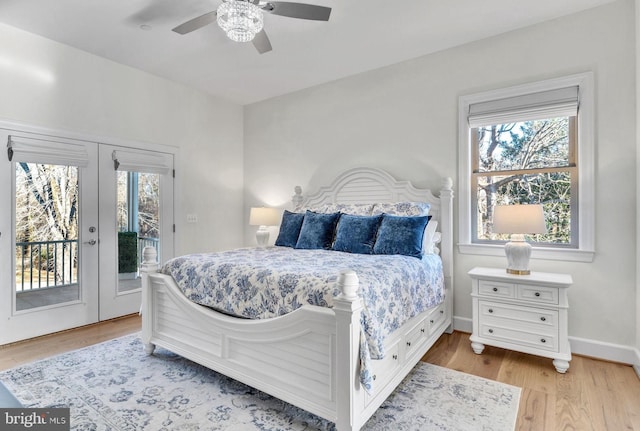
x: 526, y: 313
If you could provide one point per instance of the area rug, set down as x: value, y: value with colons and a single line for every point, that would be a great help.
x: 115, y: 386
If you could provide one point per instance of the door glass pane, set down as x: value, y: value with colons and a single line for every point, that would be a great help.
x: 138, y: 224
x: 46, y: 253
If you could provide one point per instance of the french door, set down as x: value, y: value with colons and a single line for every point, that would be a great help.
x: 136, y: 211
x: 64, y: 244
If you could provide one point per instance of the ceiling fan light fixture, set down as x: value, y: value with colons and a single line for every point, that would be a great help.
x: 241, y: 20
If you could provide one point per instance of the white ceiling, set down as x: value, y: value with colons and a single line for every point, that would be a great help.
x: 361, y: 35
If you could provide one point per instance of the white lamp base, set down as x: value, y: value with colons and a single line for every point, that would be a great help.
x: 518, y: 252
x: 262, y: 236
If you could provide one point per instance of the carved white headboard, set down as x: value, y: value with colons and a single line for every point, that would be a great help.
x: 371, y: 185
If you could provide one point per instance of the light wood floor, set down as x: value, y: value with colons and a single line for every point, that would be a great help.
x: 12, y: 355
x: 593, y: 395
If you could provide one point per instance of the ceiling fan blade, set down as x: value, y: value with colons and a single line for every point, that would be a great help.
x: 196, y: 23
x: 298, y: 10
x: 261, y: 42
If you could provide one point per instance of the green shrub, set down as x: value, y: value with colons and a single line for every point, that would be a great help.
x: 127, y: 252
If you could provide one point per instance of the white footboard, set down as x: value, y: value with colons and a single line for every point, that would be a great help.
x: 309, y: 358
x: 290, y: 357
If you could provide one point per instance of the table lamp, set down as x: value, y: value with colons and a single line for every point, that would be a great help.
x: 263, y: 217
x: 518, y: 220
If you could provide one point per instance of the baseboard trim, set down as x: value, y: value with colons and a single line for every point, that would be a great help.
x: 580, y: 346
x: 462, y: 324
x: 604, y: 350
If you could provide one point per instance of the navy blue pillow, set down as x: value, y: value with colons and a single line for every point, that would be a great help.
x: 289, y: 229
x: 317, y: 230
x: 357, y: 234
x: 401, y: 235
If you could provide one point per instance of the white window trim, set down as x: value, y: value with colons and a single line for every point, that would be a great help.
x: 586, y: 171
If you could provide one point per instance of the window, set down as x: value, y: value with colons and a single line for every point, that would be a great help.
x: 530, y: 144
x: 46, y: 233
x: 47, y: 209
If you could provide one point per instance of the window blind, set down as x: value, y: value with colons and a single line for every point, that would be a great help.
x: 33, y: 150
x: 145, y: 162
x: 561, y: 102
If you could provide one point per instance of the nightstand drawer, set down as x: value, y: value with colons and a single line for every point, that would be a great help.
x: 541, y: 294
x: 515, y: 336
x: 537, y: 319
x: 496, y: 289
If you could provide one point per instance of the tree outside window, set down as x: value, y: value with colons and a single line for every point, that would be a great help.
x: 527, y: 162
x: 138, y: 203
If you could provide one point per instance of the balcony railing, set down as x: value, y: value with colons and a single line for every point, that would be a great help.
x: 50, y: 264
x: 46, y: 264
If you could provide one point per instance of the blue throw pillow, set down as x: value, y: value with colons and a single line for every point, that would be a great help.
x: 357, y: 234
x: 401, y: 235
x: 289, y: 229
x: 317, y: 230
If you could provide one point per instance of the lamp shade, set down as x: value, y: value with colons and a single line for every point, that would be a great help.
x: 264, y: 216
x: 518, y: 219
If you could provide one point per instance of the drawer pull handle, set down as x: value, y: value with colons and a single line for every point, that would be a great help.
x: 422, y: 329
x: 408, y: 343
x: 395, y: 357
x: 542, y: 340
x: 544, y: 319
x: 490, y: 310
x: 495, y: 289
x: 374, y: 377
x: 441, y: 311
x: 537, y: 293
x: 490, y: 331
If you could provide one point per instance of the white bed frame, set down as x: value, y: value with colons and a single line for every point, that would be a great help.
x: 309, y: 357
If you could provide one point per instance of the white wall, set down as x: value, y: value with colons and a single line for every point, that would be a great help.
x: 403, y: 118
x: 47, y: 84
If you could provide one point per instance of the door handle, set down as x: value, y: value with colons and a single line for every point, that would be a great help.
x: 91, y: 242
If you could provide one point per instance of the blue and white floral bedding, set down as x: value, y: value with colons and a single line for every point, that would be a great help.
x: 259, y: 283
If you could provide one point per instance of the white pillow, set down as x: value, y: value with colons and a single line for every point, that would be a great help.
x: 431, y: 238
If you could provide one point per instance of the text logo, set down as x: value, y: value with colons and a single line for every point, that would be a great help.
x: 20, y: 419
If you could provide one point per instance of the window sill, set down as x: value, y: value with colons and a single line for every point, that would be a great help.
x: 567, y: 255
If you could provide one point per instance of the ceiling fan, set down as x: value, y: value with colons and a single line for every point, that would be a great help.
x: 242, y: 20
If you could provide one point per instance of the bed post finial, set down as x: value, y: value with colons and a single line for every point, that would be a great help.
x: 149, y: 255
x: 348, y: 282
x: 447, y: 183
x: 297, y: 198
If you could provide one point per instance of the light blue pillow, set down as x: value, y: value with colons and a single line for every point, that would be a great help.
x: 401, y: 235
x: 357, y: 234
x: 317, y: 230
x: 289, y: 229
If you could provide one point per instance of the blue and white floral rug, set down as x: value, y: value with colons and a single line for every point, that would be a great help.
x: 115, y: 386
